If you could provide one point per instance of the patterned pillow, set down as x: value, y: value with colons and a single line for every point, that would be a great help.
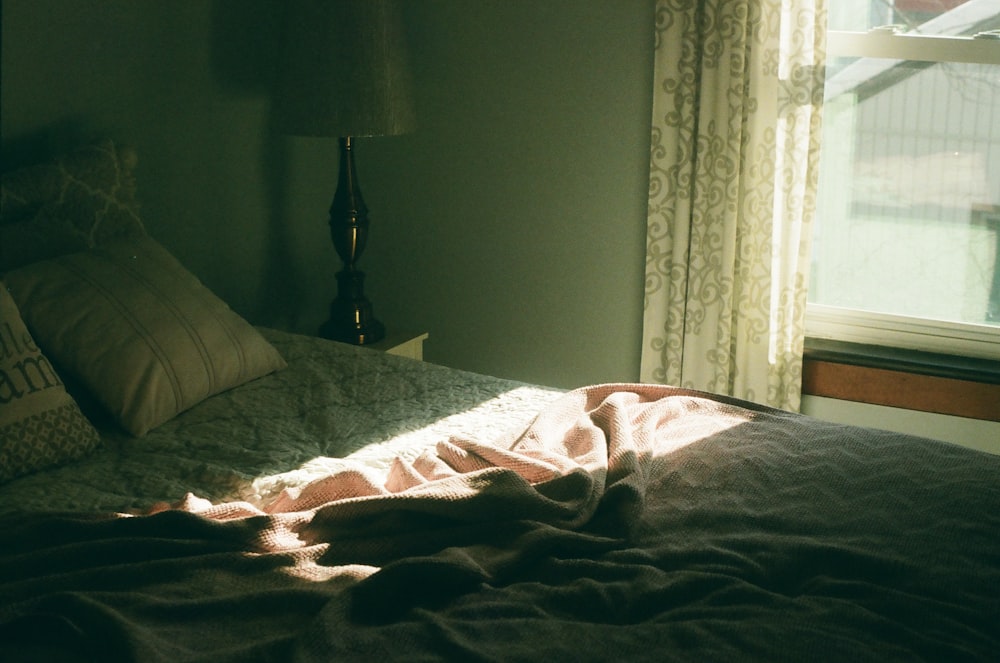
x: 40, y: 424
x: 140, y: 332
x: 80, y: 200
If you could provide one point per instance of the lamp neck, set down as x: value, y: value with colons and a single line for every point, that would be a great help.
x: 348, y: 213
x: 347, y: 179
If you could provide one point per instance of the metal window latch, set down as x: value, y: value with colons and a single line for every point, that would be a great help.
x: 890, y: 29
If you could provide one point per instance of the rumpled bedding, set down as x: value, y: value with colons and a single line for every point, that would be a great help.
x: 333, y: 401
x: 624, y: 522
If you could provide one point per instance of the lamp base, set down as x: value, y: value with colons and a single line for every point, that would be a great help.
x: 351, y: 317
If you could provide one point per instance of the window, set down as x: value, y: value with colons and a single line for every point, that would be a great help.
x: 907, y: 238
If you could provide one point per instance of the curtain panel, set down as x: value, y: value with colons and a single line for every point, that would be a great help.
x: 733, y: 172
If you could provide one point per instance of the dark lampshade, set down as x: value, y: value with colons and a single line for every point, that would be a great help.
x: 344, y: 70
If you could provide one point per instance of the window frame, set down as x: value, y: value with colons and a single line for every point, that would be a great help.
x: 860, y: 327
x: 891, y: 45
x: 904, y: 332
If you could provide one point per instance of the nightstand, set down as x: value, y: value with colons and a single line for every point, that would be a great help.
x: 404, y: 344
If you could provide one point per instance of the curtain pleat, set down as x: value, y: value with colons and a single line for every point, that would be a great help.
x: 733, y: 173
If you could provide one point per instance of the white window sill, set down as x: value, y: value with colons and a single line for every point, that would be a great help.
x: 830, y: 323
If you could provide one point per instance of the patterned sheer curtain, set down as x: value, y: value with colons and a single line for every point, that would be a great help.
x: 735, y: 147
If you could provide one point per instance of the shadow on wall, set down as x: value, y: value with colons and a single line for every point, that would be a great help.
x: 37, y: 146
x: 246, y: 39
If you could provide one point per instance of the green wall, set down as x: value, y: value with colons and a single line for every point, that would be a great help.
x: 510, y: 225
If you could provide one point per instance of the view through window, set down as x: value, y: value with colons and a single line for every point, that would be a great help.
x: 907, y: 233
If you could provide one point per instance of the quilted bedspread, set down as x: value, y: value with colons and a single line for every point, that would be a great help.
x: 625, y: 522
x: 334, y: 401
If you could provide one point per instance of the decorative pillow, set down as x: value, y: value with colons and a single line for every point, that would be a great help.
x: 141, y: 333
x: 80, y: 200
x: 40, y: 424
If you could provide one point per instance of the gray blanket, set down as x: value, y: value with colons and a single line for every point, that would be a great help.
x: 626, y: 522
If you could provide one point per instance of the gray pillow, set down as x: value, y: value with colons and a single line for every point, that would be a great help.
x: 140, y: 332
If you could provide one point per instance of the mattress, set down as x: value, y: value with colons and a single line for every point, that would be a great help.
x: 469, y: 518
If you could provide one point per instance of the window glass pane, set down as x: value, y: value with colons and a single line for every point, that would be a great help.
x: 908, y: 217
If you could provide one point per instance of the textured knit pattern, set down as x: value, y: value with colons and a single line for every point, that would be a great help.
x: 625, y: 523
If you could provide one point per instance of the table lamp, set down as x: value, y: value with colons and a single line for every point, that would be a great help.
x: 344, y: 73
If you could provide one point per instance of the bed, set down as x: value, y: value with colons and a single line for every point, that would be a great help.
x: 179, y: 485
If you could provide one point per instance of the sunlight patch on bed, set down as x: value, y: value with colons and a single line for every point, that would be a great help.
x: 344, y: 575
x: 506, y: 414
